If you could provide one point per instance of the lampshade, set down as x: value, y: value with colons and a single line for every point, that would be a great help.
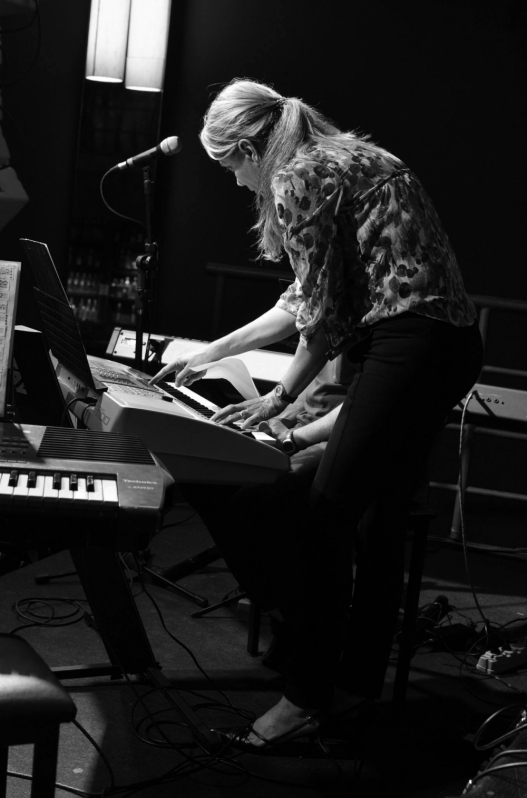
x: 147, y: 44
x: 107, y: 39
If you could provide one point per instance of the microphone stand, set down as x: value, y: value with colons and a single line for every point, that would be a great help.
x: 146, y: 265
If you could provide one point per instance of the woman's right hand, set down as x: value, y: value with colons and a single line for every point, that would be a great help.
x: 182, y: 369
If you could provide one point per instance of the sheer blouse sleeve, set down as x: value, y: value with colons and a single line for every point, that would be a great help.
x: 307, y: 199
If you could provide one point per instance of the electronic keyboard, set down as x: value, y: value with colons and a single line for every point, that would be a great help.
x: 175, y: 424
x: 80, y: 488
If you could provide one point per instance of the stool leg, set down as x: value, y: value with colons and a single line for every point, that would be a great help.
x: 45, y: 765
x: 3, y: 771
x: 411, y: 607
x: 254, y: 630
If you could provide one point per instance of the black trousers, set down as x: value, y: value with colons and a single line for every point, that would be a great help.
x: 290, y: 545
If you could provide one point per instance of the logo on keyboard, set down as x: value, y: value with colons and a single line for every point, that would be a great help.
x: 103, y: 418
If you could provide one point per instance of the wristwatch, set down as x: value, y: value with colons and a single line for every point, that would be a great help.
x: 289, y: 444
x: 281, y: 393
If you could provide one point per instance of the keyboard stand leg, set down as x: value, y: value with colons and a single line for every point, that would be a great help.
x: 123, y: 634
x: 116, y: 617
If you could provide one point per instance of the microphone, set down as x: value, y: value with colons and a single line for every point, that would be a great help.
x: 169, y: 146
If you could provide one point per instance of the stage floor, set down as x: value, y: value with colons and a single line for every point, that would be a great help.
x: 426, y: 754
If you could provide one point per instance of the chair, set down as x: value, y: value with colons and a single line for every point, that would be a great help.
x: 418, y: 523
x: 32, y: 706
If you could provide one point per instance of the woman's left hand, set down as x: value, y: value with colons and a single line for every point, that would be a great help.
x: 251, y: 412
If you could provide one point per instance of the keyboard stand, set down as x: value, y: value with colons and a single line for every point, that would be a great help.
x: 121, y: 629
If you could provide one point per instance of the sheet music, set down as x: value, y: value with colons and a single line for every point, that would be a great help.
x: 234, y: 370
x: 9, y: 279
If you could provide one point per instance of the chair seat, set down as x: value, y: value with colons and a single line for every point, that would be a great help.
x: 31, y: 698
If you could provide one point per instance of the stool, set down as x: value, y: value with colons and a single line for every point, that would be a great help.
x: 418, y: 523
x: 32, y: 706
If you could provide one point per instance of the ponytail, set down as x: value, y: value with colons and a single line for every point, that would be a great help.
x: 280, y: 128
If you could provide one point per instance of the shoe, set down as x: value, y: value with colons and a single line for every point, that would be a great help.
x: 238, y: 738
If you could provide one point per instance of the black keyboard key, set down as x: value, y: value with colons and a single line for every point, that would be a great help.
x: 32, y: 479
x: 187, y: 400
x: 13, y: 478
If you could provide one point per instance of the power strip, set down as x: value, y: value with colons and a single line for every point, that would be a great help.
x: 505, y: 659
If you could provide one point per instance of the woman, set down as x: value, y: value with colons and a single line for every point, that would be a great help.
x: 377, y: 279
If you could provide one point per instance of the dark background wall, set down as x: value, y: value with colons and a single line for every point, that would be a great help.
x: 439, y: 83
x: 43, y: 60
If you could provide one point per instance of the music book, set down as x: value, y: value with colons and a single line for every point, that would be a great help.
x: 9, y: 280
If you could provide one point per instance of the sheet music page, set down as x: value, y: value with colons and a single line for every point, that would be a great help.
x: 235, y: 371
x: 9, y: 279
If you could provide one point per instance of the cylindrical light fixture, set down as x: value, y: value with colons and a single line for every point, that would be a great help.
x: 147, y: 45
x: 107, y: 39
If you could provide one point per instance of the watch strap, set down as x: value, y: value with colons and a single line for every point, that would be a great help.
x: 289, y: 444
x: 282, y: 394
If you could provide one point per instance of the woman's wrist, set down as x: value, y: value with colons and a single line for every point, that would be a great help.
x: 299, y: 438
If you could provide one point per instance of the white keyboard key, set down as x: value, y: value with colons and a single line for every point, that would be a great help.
x: 96, y: 494
x: 50, y: 493
x: 6, y: 491
x: 20, y: 493
x: 65, y: 493
x: 80, y: 496
x: 36, y: 494
x: 109, y: 490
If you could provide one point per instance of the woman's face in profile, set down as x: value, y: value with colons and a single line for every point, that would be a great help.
x: 245, y: 168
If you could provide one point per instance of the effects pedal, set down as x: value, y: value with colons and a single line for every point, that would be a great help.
x: 506, y: 658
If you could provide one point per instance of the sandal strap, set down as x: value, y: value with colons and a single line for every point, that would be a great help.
x: 260, y: 736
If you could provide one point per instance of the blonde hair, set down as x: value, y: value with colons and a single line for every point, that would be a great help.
x: 280, y: 128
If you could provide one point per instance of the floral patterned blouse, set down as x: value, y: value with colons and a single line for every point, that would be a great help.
x: 365, y: 243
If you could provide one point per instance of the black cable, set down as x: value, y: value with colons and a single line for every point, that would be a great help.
x: 39, y: 620
x: 66, y: 408
x: 177, y: 523
x: 461, y: 495
x: 100, y: 752
x: 517, y: 728
x: 180, y: 643
x: 496, y: 769
x: 122, y: 215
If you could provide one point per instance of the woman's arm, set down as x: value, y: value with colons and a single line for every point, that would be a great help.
x: 274, y: 325
x: 306, y: 435
x: 306, y: 364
